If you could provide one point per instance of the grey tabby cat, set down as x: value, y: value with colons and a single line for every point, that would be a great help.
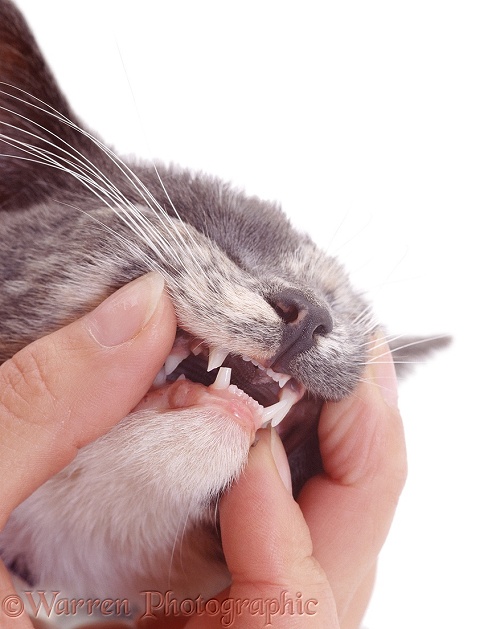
x: 260, y: 310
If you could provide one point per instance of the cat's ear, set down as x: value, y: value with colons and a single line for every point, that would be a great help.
x: 31, y: 106
x: 409, y: 351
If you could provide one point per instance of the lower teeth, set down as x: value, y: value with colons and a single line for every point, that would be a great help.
x: 273, y: 414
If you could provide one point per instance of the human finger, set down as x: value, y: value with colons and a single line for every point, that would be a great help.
x: 70, y: 387
x: 349, y: 509
x: 268, y: 548
x: 359, y: 602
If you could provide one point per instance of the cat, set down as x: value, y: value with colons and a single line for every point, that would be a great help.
x: 260, y: 309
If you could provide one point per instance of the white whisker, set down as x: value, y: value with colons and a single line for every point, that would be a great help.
x: 128, y: 212
x: 373, y: 361
x: 412, y: 344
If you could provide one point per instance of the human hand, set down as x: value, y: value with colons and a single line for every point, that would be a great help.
x: 70, y: 387
x: 325, y: 548
x: 320, y: 553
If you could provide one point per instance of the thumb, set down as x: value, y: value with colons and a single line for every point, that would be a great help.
x: 268, y: 548
x: 70, y: 387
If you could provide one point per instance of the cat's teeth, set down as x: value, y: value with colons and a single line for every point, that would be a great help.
x: 216, y: 357
x: 283, y: 380
x: 222, y: 381
x: 178, y: 354
x: 280, y: 378
x: 281, y: 415
x: 160, y: 379
x: 290, y: 396
x: 276, y: 412
x: 180, y: 377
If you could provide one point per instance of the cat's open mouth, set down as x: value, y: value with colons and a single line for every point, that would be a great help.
x: 270, y: 395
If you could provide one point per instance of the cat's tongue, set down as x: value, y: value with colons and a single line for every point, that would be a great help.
x: 225, y: 398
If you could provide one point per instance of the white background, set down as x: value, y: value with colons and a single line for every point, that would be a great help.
x: 368, y: 121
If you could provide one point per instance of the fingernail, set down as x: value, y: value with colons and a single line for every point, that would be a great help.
x: 384, y: 373
x: 280, y: 459
x: 124, y: 314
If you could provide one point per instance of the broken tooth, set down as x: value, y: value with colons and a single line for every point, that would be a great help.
x: 177, y: 356
x: 222, y: 381
x: 216, y: 357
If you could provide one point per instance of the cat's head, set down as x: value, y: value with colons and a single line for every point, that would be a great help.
x: 250, y: 292
x: 269, y: 327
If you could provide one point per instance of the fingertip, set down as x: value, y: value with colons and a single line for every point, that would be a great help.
x: 266, y: 541
x: 262, y: 477
x: 125, y: 313
x: 363, y: 433
x: 272, y: 441
x: 128, y: 312
x: 162, y: 323
x: 259, y: 518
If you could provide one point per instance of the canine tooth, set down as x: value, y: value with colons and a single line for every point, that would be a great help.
x: 180, y: 377
x: 175, y: 358
x: 275, y: 410
x: 280, y: 416
x: 289, y: 395
x: 222, y: 380
x: 216, y: 357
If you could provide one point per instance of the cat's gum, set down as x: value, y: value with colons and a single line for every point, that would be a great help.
x: 231, y: 402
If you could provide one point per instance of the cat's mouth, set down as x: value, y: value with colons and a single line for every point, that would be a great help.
x: 271, y: 395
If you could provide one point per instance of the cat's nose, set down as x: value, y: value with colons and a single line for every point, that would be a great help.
x: 304, y: 320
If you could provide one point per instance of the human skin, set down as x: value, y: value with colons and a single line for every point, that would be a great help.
x: 70, y: 387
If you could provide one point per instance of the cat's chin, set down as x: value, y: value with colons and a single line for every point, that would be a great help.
x: 158, y: 474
